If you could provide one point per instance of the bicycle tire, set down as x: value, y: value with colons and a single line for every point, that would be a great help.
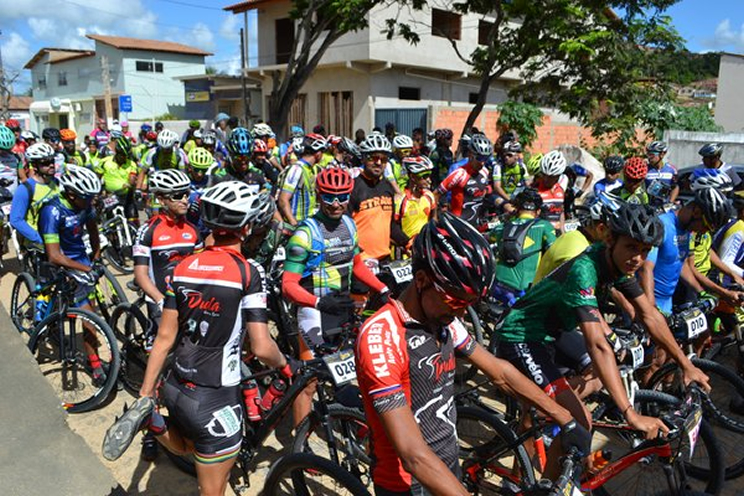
x: 108, y: 294
x: 725, y: 384
x: 464, y: 370
x: 649, y: 403
x: 118, y: 254
x: 23, y: 307
x: 303, y: 470
x: 130, y: 326
x: 73, y: 380
x: 352, y: 443
x: 489, y: 434
x: 184, y: 463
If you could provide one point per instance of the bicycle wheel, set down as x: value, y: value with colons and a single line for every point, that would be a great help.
x: 464, y: 371
x: 184, y: 463
x: 648, y: 476
x: 721, y: 407
x: 351, y: 436
x: 490, y: 456
x: 109, y: 294
x: 303, y: 474
x: 119, y: 252
x: 130, y: 327
x: 22, y: 304
x: 65, y: 347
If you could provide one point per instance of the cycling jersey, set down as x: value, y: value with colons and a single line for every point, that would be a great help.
x: 156, y: 159
x: 399, y: 173
x: 660, y: 182
x: 400, y: 364
x: 299, y: 182
x: 568, y: 245
x: 604, y: 186
x: 9, y: 165
x: 442, y: 159
x: 26, y: 205
x: 539, y: 236
x: 60, y: 223
x: 668, y: 259
x: 116, y: 176
x: 162, y: 243
x: 510, y: 177
x: 728, y: 169
x: 253, y: 177
x: 637, y: 197
x: 567, y: 296
x: 700, y: 244
x: 371, y: 207
x: 76, y: 158
x: 468, y: 189
x: 413, y: 213
x: 731, y: 249
x: 216, y: 292
x: 553, y: 200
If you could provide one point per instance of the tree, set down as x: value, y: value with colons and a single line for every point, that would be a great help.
x: 523, y: 118
x: 663, y: 117
x: 576, y: 55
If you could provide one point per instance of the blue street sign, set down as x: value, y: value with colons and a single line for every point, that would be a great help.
x: 125, y: 103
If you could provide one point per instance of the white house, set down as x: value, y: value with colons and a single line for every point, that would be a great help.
x: 68, y: 87
x: 365, y: 80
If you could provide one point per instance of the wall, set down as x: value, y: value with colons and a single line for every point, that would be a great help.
x: 730, y: 99
x: 684, y: 146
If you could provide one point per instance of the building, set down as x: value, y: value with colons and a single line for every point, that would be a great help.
x: 206, y: 95
x: 729, y: 98
x: 18, y: 109
x: 68, y: 85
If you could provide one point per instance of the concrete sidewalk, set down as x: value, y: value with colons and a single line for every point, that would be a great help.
x: 39, y: 454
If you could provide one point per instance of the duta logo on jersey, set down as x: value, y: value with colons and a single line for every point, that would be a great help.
x: 439, y: 366
x: 195, y: 301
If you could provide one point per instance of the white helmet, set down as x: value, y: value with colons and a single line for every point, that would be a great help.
x: 169, y: 181
x: 230, y: 205
x: 416, y: 164
x: 373, y: 143
x: 39, y: 151
x: 402, y: 142
x: 79, y: 180
x: 167, y: 138
x: 29, y: 135
x: 711, y: 178
x: 261, y: 129
x: 480, y: 145
x: 553, y: 163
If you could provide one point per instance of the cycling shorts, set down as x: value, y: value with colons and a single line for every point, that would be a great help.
x: 571, y: 352
x: 535, y: 360
x: 212, y: 418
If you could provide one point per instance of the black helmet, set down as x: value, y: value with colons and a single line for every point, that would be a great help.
x: 159, y: 126
x: 511, y: 147
x: 738, y: 202
x: 657, y: 147
x: 528, y: 199
x: 124, y: 146
x: 455, y: 255
x: 613, y: 164
x: 51, y: 134
x: 715, y: 206
x: 711, y: 150
x: 348, y: 146
x: 639, y: 222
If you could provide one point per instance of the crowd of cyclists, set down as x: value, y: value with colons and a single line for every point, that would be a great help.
x: 482, y: 220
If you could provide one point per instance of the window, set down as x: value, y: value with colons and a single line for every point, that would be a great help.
x: 147, y: 66
x: 41, y: 82
x: 472, y: 98
x: 297, y: 112
x: 445, y: 24
x: 336, y: 110
x: 484, y: 28
x: 62, y: 78
x: 285, y: 34
x: 408, y: 93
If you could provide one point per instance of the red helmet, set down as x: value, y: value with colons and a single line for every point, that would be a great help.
x: 333, y: 140
x: 12, y: 124
x: 334, y: 180
x: 636, y: 168
x: 259, y: 146
x: 151, y: 136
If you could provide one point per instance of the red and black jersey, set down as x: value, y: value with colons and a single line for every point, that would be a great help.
x: 162, y: 243
x: 216, y: 292
x: 468, y: 189
x: 398, y: 366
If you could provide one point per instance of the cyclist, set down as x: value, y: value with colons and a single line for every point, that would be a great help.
x: 613, y: 166
x: 35, y: 191
x: 711, y: 154
x: 224, y: 293
x: 509, y: 171
x: 547, y: 183
x: 11, y: 164
x: 569, y: 296
x: 469, y: 184
x: 661, y: 180
x: 166, y: 155
x: 51, y: 137
x: 70, y: 150
x: 260, y: 162
x: 190, y: 136
x: 349, y: 155
x: 296, y: 185
x: 417, y: 205
x: 402, y: 148
x: 520, y: 240
x: 406, y: 360
x: 239, y: 166
x: 322, y: 255
x: 201, y: 163
x: 633, y: 189
x: 20, y: 141
x: 220, y: 126
x: 119, y: 173
x: 441, y: 156
x: 144, y: 142
x: 215, y: 146
x: 101, y: 129
x: 263, y: 132
x: 195, y: 140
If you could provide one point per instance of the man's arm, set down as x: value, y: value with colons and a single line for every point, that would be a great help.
x: 646, y: 280
x: 55, y: 256
x: 699, y: 282
x: 285, y: 208
x: 18, y: 209
x: 499, y: 190
x: 264, y: 346
x: 675, y: 192
x: 95, y: 239
x: 164, y: 341
x: 142, y: 279
x: 588, y: 178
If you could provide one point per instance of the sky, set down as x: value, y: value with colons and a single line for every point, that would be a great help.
x: 28, y: 25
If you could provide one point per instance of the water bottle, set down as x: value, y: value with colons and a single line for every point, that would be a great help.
x: 252, y: 399
x: 42, y: 302
x: 273, y: 394
x: 600, y: 459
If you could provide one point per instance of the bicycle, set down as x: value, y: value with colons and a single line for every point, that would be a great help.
x: 304, y: 474
x: 68, y: 343
x: 119, y: 235
x: 135, y: 332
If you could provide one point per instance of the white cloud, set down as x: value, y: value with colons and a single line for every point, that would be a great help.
x: 16, y: 51
x: 726, y: 38
x: 230, y: 28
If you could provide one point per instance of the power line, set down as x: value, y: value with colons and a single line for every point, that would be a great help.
x: 193, y: 5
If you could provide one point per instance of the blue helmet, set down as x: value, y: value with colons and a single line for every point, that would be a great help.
x: 240, y: 142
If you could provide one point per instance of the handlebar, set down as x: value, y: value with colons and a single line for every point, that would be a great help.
x: 570, y: 472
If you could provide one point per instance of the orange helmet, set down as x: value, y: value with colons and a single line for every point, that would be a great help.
x: 67, y: 135
x: 636, y: 168
x: 334, y: 180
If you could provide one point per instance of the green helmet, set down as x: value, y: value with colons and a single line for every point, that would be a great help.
x: 7, y: 138
x: 200, y: 158
x: 533, y: 164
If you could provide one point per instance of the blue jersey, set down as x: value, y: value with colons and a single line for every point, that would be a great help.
x: 604, y: 186
x: 668, y: 259
x: 661, y: 182
x: 60, y: 223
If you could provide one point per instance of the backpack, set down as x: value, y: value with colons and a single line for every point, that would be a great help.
x: 512, y: 243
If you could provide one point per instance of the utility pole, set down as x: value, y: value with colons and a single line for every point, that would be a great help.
x: 243, y: 69
x: 106, y: 76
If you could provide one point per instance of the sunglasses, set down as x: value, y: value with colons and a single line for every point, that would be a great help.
x: 45, y: 163
x: 330, y: 198
x: 378, y: 158
x: 510, y: 155
x: 452, y: 302
x: 178, y: 196
x: 422, y: 175
x: 482, y: 158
